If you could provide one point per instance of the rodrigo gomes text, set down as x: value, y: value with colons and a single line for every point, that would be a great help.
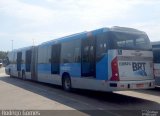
x: 20, y: 113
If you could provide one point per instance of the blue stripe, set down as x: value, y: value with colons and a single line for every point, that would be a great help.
x: 74, y: 69
x: 102, y: 69
x: 44, y: 68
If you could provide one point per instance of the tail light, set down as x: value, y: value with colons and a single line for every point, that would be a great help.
x: 115, y: 74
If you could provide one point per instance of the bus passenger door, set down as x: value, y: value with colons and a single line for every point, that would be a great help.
x: 28, y: 60
x: 19, y: 61
x: 33, y: 65
x: 88, y: 57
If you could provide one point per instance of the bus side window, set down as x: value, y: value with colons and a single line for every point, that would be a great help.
x: 28, y: 60
x: 77, y: 57
x: 102, y: 46
x: 71, y: 52
x: 55, y: 59
x: 88, y: 57
x: 19, y: 61
x: 77, y: 50
x: 85, y: 54
x: 156, y: 54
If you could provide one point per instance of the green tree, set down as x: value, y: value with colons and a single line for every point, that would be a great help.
x: 3, y: 54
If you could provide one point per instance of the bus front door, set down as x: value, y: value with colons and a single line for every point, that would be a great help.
x: 19, y: 61
x: 88, y: 57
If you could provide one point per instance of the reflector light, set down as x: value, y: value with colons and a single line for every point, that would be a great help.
x: 114, y: 65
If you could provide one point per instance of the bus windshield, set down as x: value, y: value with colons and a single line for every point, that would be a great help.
x: 129, y: 41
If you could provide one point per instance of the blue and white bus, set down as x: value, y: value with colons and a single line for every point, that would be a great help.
x: 21, y: 63
x: 106, y: 59
x: 156, y: 59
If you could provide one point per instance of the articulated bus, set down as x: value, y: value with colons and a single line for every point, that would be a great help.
x: 156, y: 59
x: 106, y: 59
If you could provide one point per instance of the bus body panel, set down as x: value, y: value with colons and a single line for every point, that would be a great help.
x: 28, y: 75
x: 157, y: 73
x: 73, y: 69
x: 103, y: 85
x: 157, y: 69
x: 133, y: 64
x: 44, y: 68
x: 156, y: 55
x: 101, y: 68
x: 48, y: 78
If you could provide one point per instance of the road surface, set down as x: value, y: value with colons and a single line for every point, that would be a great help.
x: 17, y: 94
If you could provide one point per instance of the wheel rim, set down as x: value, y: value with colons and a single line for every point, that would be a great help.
x: 67, y: 83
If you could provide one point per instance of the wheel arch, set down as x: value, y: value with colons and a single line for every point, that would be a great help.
x: 64, y: 74
x: 23, y: 71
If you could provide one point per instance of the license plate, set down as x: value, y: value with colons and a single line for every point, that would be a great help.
x: 139, y: 85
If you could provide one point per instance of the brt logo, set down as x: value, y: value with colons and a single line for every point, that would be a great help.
x: 138, y: 66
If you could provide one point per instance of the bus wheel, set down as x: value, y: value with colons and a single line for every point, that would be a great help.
x: 23, y: 75
x: 66, y: 83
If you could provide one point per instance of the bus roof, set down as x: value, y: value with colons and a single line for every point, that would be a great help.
x: 94, y: 32
x: 155, y: 43
x: 126, y: 30
x: 75, y: 36
x: 62, y: 39
x: 21, y: 49
x: 85, y: 34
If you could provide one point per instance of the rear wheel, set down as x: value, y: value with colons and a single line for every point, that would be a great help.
x: 66, y: 83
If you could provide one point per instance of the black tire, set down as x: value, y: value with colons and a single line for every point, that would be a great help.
x: 23, y: 75
x: 66, y: 83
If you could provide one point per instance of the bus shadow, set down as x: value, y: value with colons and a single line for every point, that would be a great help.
x: 110, y: 97
x: 157, y: 88
x: 154, y: 91
x: 120, y: 101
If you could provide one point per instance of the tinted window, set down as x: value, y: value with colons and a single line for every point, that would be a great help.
x: 71, y: 51
x: 77, y: 54
x: 19, y: 60
x: 55, y: 59
x: 156, y: 46
x: 156, y: 55
x: 28, y: 60
x: 44, y: 54
x: 88, y: 56
x: 12, y: 57
x: 123, y: 40
x: 101, y: 45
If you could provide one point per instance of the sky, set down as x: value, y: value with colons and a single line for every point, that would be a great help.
x: 31, y: 22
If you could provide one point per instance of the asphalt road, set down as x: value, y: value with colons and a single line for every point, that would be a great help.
x: 18, y: 94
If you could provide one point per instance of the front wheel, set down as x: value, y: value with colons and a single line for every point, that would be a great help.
x: 66, y: 83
